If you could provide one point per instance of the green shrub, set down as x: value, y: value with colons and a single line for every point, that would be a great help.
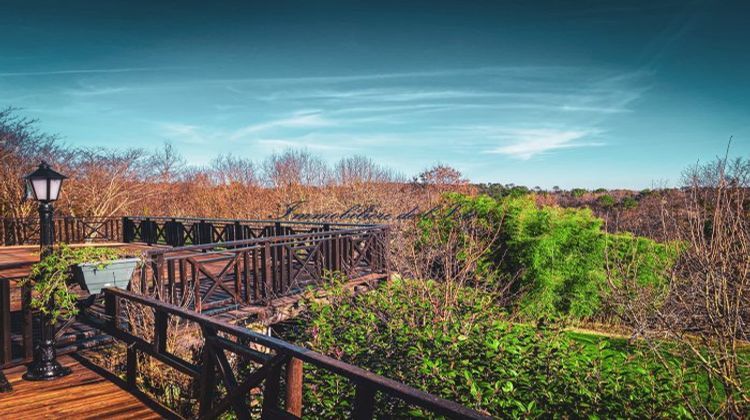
x: 629, y: 203
x: 466, y: 351
x: 606, y: 201
x: 559, y: 254
x: 556, y: 254
x: 577, y: 192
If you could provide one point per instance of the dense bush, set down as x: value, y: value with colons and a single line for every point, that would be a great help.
x: 605, y: 201
x: 577, y: 192
x: 472, y: 355
x: 629, y: 203
x: 560, y: 257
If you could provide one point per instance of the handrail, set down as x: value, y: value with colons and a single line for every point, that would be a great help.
x: 68, y: 229
x: 241, y: 244
x: 366, y: 382
x: 225, y: 220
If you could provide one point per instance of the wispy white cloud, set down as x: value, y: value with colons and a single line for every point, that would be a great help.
x: 85, y: 71
x: 300, y: 120
x: 92, y: 91
x: 277, y: 144
x: 186, y: 133
x: 527, y: 143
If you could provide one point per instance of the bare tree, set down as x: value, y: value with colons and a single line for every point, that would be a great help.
x: 226, y: 170
x: 295, y: 167
x: 441, y: 174
x: 106, y: 183
x: 166, y: 164
x: 450, y: 248
x: 706, y: 312
x: 22, y: 147
x: 361, y: 169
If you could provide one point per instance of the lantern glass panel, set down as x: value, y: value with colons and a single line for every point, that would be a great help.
x: 54, y: 188
x: 40, y: 189
x: 29, y: 191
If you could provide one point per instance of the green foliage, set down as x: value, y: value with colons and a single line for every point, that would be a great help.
x: 606, y: 201
x: 629, y: 203
x: 558, y: 254
x: 467, y: 352
x: 577, y: 192
x: 497, y: 191
x: 645, y: 261
x: 50, y: 276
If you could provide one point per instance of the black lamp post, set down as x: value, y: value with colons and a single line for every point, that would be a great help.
x: 44, y: 185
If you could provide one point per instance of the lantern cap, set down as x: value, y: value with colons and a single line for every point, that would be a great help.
x: 45, y: 172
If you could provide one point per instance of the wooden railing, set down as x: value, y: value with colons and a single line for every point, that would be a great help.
x: 257, y: 270
x: 220, y: 339
x: 16, y: 336
x: 182, y: 231
x: 69, y: 230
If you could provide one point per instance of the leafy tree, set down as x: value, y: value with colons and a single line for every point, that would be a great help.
x: 606, y: 201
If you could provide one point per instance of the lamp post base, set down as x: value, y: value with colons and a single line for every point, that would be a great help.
x: 46, y: 367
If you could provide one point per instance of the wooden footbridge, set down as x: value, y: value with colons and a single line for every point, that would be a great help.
x: 215, y: 276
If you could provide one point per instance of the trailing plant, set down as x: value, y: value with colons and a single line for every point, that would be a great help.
x: 50, y: 277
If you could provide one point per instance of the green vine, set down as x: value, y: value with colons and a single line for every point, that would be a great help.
x: 51, y: 275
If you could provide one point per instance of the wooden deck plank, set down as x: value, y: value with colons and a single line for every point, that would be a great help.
x: 84, y: 394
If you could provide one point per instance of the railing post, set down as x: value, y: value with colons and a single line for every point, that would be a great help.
x: 128, y: 231
x: 132, y: 366
x: 196, y: 286
x: 207, y: 385
x: 364, y: 402
x: 205, y: 232
x: 112, y: 309
x: 294, y: 376
x: 387, y: 252
x: 146, y: 231
x: 170, y: 232
x: 6, y: 350
x: 336, y: 253
x: 27, y: 321
x: 160, y: 331
x: 267, y: 272
x: 278, y: 229
x: 238, y: 231
x: 271, y: 393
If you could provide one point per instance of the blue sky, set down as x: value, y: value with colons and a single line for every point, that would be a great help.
x: 584, y: 93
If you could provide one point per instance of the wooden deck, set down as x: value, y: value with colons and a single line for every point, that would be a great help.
x: 87, y: 393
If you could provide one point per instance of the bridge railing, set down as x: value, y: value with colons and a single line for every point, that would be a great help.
x: 182, y: 231
x: 222, y: 342
x: 257, y: 270
x: 69, y: 230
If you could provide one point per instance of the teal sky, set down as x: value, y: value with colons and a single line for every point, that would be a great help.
x: 568, y: 93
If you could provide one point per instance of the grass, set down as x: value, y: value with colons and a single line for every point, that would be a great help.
x: 709, y: 392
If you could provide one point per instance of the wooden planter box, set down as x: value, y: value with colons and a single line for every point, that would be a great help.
x: 115, y: 273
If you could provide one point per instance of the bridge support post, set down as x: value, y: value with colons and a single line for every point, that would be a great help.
x: 294, y: 387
